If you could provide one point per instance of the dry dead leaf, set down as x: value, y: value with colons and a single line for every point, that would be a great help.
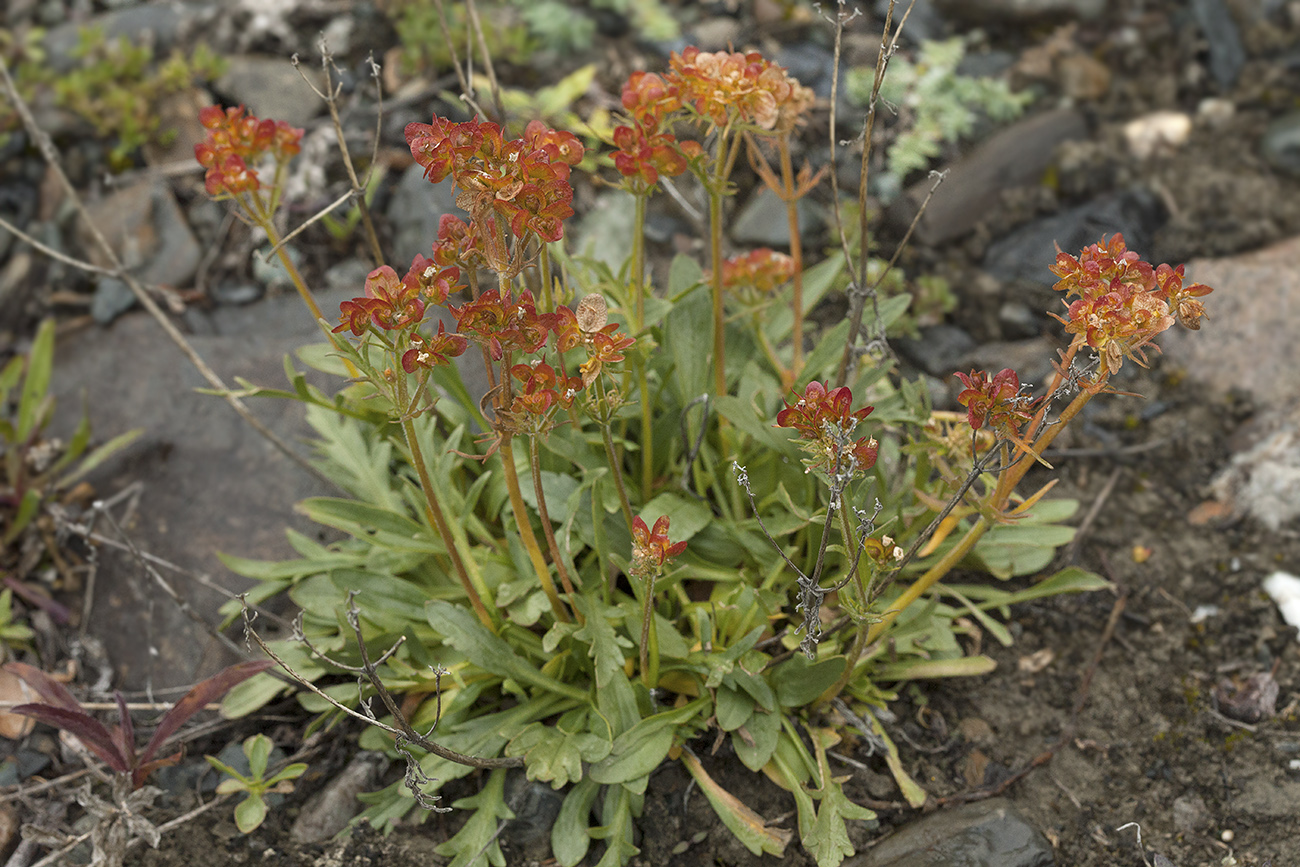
x: 1036, y: 661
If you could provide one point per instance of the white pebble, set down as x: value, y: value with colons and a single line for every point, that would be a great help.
x: 1152, y: 132
x: 1284, y: 589
x: 1227, y: 836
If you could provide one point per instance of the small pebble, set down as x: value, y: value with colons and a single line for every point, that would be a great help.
x: 1149, y: 134
x: 1227, y: 836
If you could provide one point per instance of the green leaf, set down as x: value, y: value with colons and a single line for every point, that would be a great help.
x: 756, y: 740
x: 685, y: 517
x: 557, y: 487
x: 828, y: 839
x: 603, y: 642
x: 99, y: 455
x: 799, y: 682
x: 684, y: 274
x: 1071, y: 579
x: 555, y: 756
x: 258, y: 750
x: 640, y: 749
x: 750, y: 421
x: 479, y: 834
x: 571, y: 833
x: 27, y: 509
x: 616, y: 817
x: 463, y: 631
x: 817, y: 281
x: 733, y: 709
x: 749, y: 827
x: 688, y: 338
x: 249, y: 813
x: 382, y: 526
x: 33, y: 404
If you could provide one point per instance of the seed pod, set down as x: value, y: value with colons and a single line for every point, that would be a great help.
x: 592, y: 313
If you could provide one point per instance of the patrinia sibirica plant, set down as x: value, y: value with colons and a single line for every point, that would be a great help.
x: 656, y: 527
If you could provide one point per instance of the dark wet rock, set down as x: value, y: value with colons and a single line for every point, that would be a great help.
x: 272, y: 88
x: 1028, y: 252
x: 1281, y: 144
x: 22, y: 764
x: 415, y: 209
x: 980, y: 11
x: 984, y: 834
x: 1013, y: 157
x: 939, y: 349
x: 236, y: 293
x: 1227, y: 53
x: 535, y: 806
x: 112, y: 298
x: 159, y: 25
x: 329, y: 810
x: 762, y: 220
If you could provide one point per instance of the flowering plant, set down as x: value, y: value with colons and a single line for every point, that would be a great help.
x: 681, y: 546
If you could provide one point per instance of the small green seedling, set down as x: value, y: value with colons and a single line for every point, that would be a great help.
x: 12, y: 634
x: 252, y: 810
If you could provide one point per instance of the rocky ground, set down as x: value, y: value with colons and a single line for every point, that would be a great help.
x: 1173, y: 122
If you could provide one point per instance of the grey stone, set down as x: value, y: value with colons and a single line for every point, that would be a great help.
x: 603, y: 233
x: 158, y: 24
x: 329, y: 810
x: 1021, y: 10
x: 1018, y: 319
x: 148, y: 231
x: 1263, y: 478
x: 1264, y: 798
x: 272, y: 88
x: 762, y: 220
x: 236, y: 293
x: 1013, y: 157
x: 716, y: 33
x: 810, y: 63
x: 1227, y: 53
x: 1249, y: 342
x: 112, y: 298
x: 535, y: 806
x: 1190, y: 813
x: 984, y: 834
x: 415, y: 210
x: 270, y: 272
x: 939, y: 349
x: 349, y: 276
x: 1028, y: 252
x: 211, y: 483
x: 1280, y: 144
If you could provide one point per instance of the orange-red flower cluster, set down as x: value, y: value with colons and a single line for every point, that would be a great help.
x: 523, y: 181
x: 542, y: 387
x: 826, y: 424
x: 645, y: 149
x: 727, y: 86
x: 762, y: 270
x: 1123, y: 301
x: 236, y: 142
x: 504, y: 323
x: 996, y: 402
x: 651, y: 548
